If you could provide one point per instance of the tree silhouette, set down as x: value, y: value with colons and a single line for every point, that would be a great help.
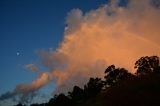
x: 35, y: 105
x: 147, y: 65
x: 114, y: 74
x: 110, y: 77
x: 77, y: 95
x: 93, y: 87
x: 19, y: 104
x: 51, y: 101
x: 60, y: 100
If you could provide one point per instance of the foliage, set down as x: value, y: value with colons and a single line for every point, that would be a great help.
x: 114, y: 74
x: 147, y: 64
x: 19, y: 104
x: 77, y: 95
x: 60, y: 100
x: 93, y: 87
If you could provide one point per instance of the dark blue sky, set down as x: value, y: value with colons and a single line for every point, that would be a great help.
x: 27, y: 26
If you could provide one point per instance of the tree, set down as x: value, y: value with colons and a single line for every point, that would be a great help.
x: 77, y: 95
x: 93, y: 87
x: 19, y: 104
x: 147, y: 65
x: 60, y: 100
x: 110, y: 77
x: 35, y: 105
x: 114, y: 74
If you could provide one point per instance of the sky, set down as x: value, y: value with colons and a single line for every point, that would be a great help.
x: 27, y: 26
x: 48, y: 46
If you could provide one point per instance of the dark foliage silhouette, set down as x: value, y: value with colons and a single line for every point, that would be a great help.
x: 77, y: 95
x: 60, y: 100
x: 19, y: 104
x: 35, y: 105
x: 113, y: 75
x: 93, y: 87
x: 147, y: 65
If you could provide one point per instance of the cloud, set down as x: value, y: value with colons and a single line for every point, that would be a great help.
x: 111, y: 34
x: 43, y: 79
x: 108, y: 35
x: 7, y: 95
x: 32, y: 67
x: 27, y: 91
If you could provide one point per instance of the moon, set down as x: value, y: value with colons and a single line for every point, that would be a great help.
x: 18, y: 53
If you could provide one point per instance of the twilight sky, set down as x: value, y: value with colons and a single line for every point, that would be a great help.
x: 49, y: 46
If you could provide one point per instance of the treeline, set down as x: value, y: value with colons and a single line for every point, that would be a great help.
x: 145, y: 66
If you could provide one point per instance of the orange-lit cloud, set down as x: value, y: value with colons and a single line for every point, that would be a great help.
x: 32, y: 67
x: 27, y: 91
x: 108, y: 35
x: 43, y: 79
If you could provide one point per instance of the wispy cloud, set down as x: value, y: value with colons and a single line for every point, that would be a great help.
x: 32, y: 67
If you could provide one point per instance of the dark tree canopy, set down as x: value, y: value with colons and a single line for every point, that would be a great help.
x: 114, y: 74
x: 60, y: 100
x: 77, y: 95
x: 147, y: 65
x: 34, y: 104
x: 94, y: 86
x: 19, y: 104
